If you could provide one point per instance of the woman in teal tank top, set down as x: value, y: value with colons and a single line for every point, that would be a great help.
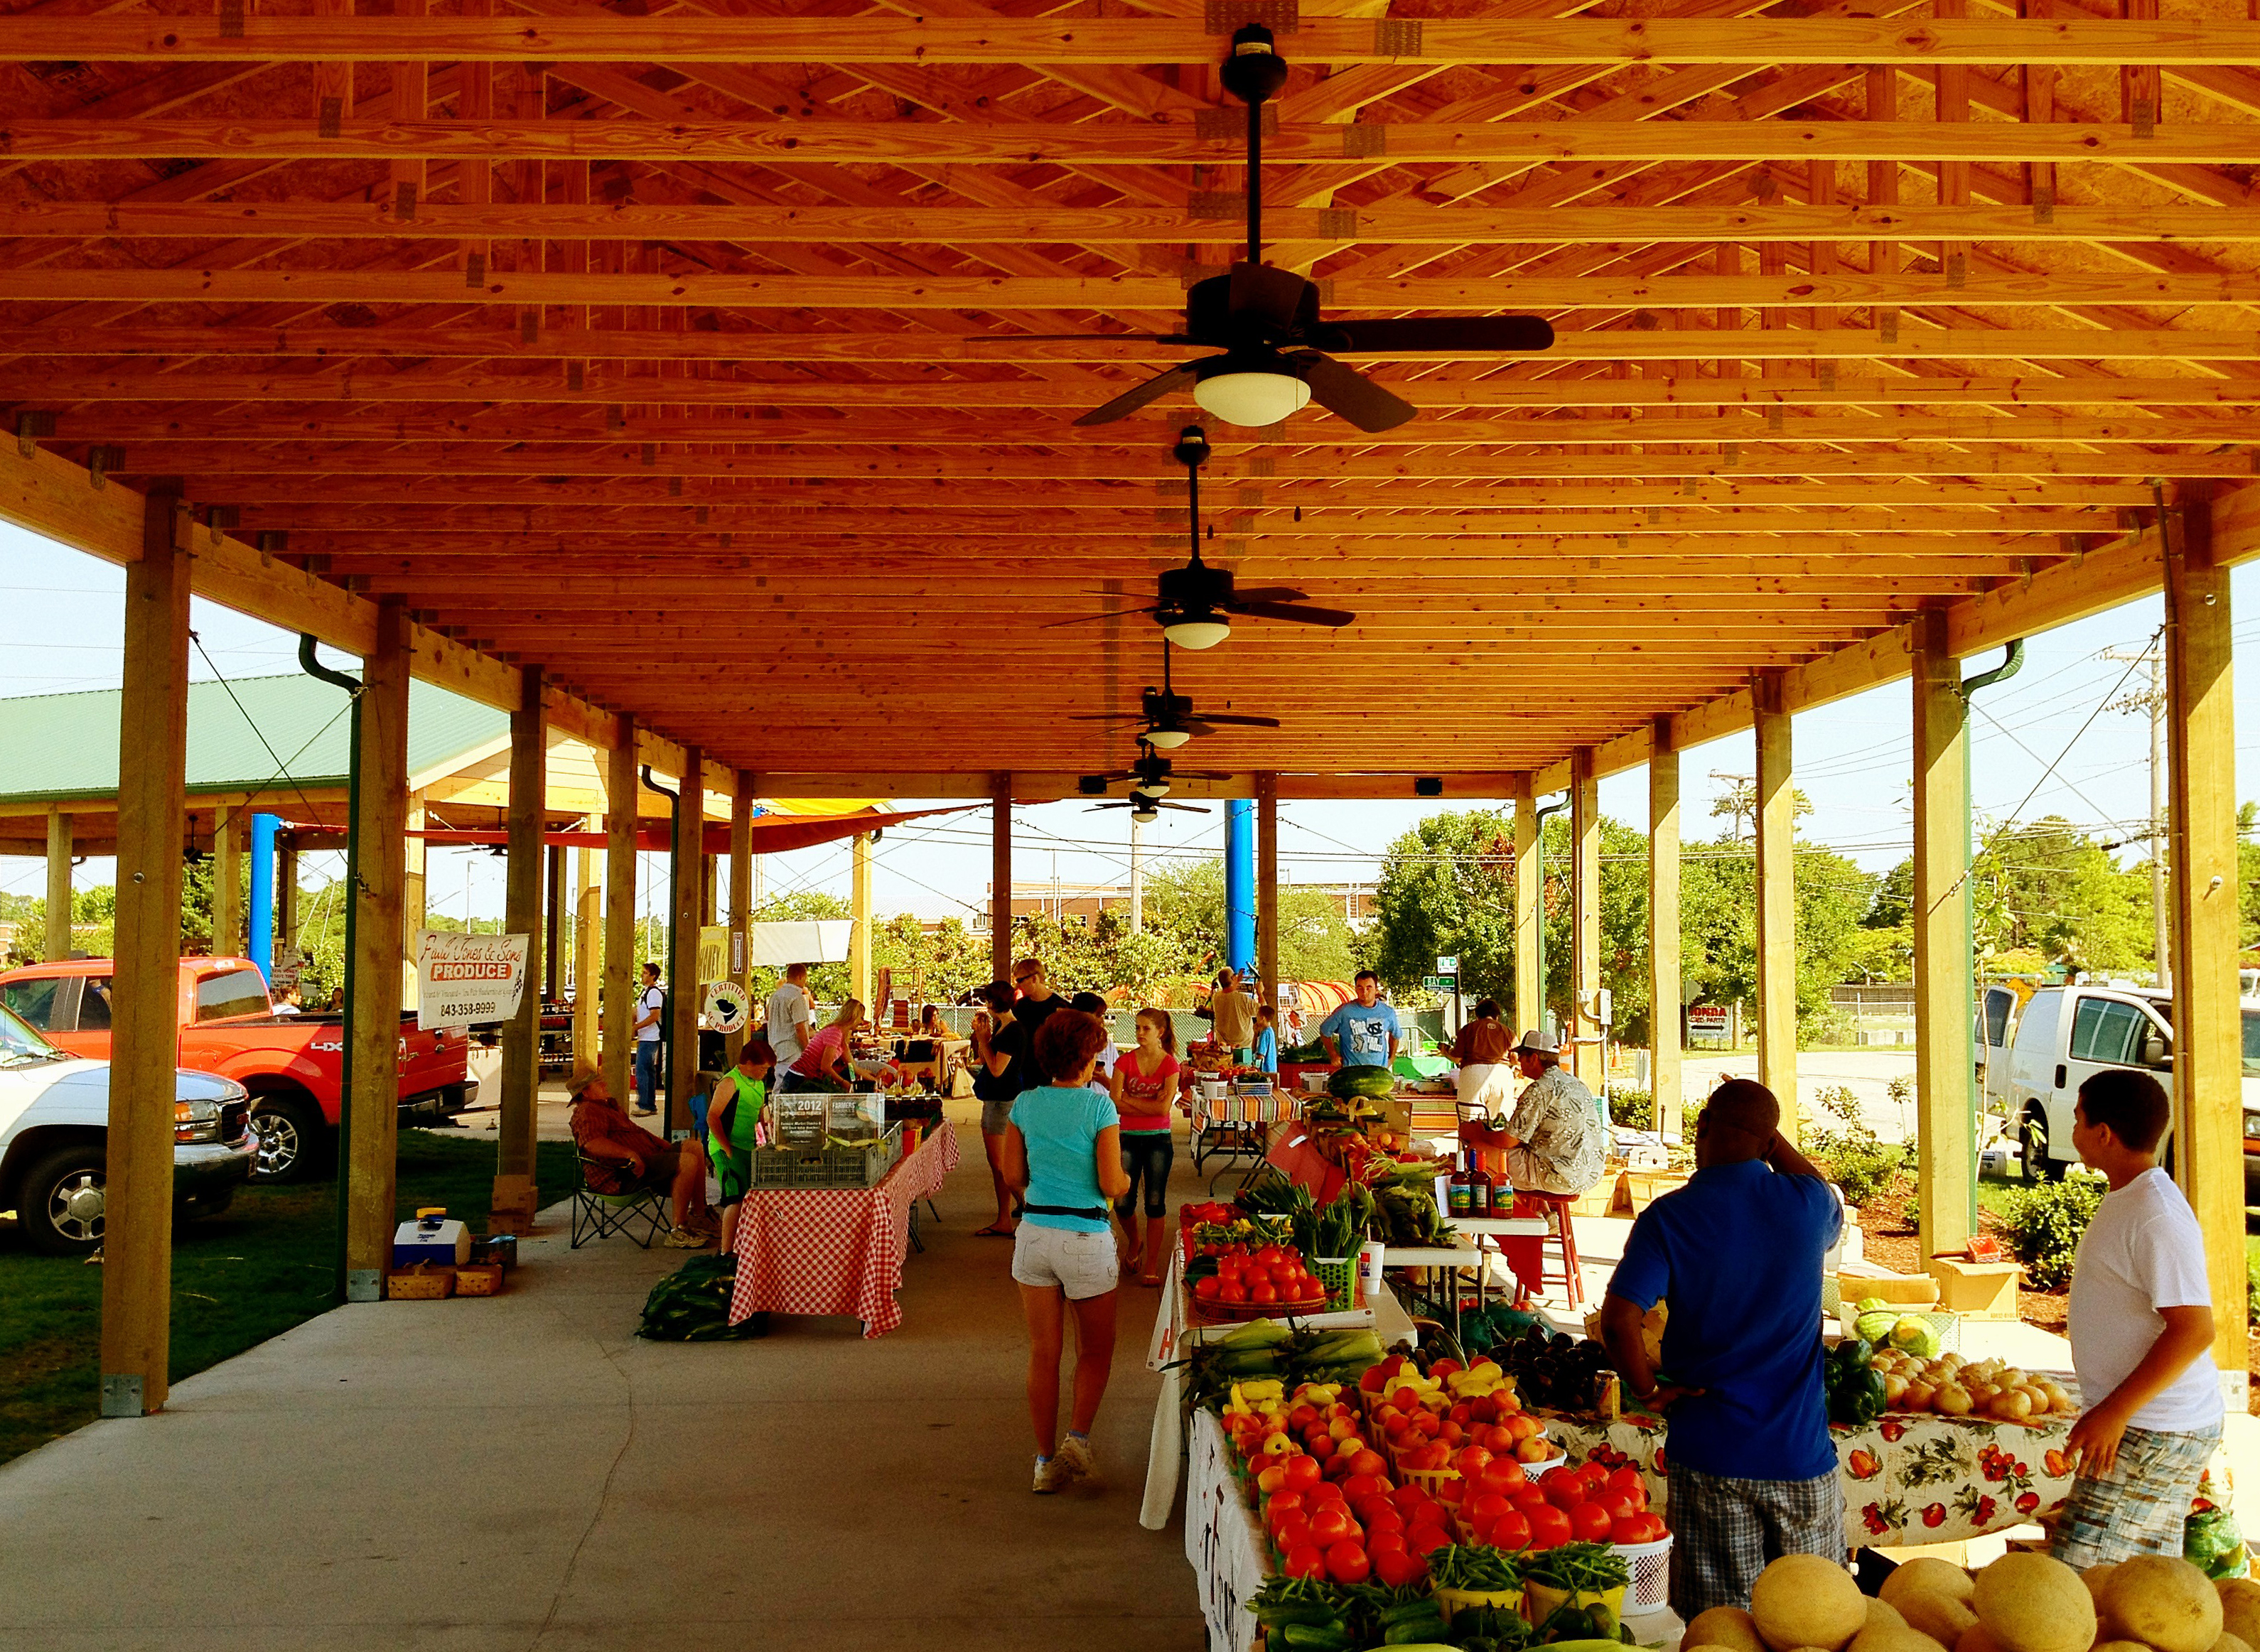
x: 734, y: 1125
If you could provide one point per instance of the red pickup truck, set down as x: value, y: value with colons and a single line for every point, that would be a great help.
x: 290, y: 1063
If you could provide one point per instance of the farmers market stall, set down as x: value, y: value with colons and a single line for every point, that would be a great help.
x: 837, y: 1250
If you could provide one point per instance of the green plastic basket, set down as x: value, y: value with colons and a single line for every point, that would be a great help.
x: 1339, y: 1276
x: 827, y: 1166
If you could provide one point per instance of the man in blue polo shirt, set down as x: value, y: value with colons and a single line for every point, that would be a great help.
x: 1737, y: 1253
x: 1364, y: 1031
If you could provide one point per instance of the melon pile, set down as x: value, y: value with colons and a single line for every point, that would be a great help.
x: 1988, y: 1388
x: 2020, y: 1603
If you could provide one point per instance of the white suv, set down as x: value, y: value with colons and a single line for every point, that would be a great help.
x: 54, y: 1132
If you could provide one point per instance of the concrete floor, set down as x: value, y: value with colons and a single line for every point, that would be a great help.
x: 520, y: 1472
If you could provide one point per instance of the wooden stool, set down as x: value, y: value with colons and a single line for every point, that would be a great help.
x: 1526, y: 1258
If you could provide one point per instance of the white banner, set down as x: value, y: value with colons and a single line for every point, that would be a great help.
x: 467, y: 980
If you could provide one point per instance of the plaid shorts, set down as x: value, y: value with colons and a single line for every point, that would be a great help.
x: 2138, y: 1506
x: 1725, y: 1531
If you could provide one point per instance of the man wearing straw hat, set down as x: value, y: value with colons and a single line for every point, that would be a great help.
x: 1551, y: 1142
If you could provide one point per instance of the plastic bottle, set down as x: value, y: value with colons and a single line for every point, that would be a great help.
x: 1459, y: 1195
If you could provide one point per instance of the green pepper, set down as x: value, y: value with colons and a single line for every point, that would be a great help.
x: 1859, y: 1399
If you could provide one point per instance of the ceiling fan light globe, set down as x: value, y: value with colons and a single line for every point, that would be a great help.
x: 1145, y: 814
x: 1254, y: 398
x: 1166, y: 740
x: 1198, y: 631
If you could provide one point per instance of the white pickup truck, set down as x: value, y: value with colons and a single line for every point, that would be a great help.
x: 54, y: 1133
x: 2033, y: 1062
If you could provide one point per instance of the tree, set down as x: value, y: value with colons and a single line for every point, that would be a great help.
x: 2049, y: 890
x: 1738, y: 801
x: 1719, y: 923
x: 1186, y: 899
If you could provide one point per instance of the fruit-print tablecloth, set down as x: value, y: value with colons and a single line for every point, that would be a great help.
x: 836, y: 1250
x: 1909, y: 1477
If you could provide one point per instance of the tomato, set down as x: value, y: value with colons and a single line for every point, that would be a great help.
x: 1319, y: 1444
x: 1444, y: 1368
x: 1615, y: 1505
x: 1483, y: 1507
x: 1362, y: 1484
x: 1550, y: 1527
x: 1630, y: 1482
x: 1498, y: 1439
x: 1209, y: 1289
x: 1291, y: 1534
x: 1565, y: 1488
x: 1404, y: 1399
x: 1501, y: 1475
x: 1369, y: 1463
x: 1450, y: 1432
x: 1648, y: 1528
x: 1271, y: 1477
x: 1306, y: 1560
x: 1511, y: 1530
x: 1301, y: 1418
x: 1347, y: 1564
x: 1407, y: 1497
x: 1282, y: 1505
x: 1527, y: 1496
x: 1398, y: 1568
x: 1426, y: 1539
x: 1469, y: 1461
x: 1629, y: 1530
x: 1322, y: 1493
x: 1374, y: 1380
x: 1589, y: 1523
x: 1330, y: 1525
x: 1593, y: 1473
x: 1259, y: 1290
x: 1384, y: 1517
x: 1388, y: 1542
x: 1229, y: 1290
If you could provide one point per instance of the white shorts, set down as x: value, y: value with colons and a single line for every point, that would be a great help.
x: 1082, y: 1264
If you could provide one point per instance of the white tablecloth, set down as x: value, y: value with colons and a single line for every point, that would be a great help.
x: 1226, y: 1545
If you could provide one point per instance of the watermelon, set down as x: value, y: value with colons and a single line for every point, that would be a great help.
x: 1912, y: 1335
x: 1374, y: 1084
x: 1877, y: 1325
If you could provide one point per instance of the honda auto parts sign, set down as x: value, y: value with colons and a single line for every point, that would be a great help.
x: 468, y: 980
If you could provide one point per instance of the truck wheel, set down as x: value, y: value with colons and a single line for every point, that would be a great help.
x: 200, y: 1205
x: 290, y: 1137
x: 2032, y: 1137
x: 61, y: 1205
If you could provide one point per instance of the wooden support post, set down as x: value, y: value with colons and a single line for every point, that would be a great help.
x: 1000, y: 877
x: 682, y: 966
x: 413, y: 898
x: 1267, y: 891
x: 620, y: 961
x: 587, y: 919
x: 58, y: 886
x: 741, y: 895
x: 1529, y: 894
x: 137, y: 1272
x: 709, y: 879
x: 552, y: 917
x: 1944, y: 1058
x: 859, y: 936
x: 286, y: 903
x: 1664, y: 993
x: 1591, y: 1056
x: 2208, y: 1039
x: 373, y: 1142
x: 1776, y: 903
x: 227, y: 882
x: 514, y: 1191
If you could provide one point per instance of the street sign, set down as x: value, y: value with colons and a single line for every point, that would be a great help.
x: 1708, y: 1022
x: 1441, y: 983
x: 1447, y: 965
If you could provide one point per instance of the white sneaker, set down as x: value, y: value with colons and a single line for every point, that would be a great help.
x: 1074, y: 1462
x: 683, y: 1239
x: 1046, y: 1477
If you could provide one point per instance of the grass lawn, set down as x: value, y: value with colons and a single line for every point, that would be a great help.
x: 238, y: 1279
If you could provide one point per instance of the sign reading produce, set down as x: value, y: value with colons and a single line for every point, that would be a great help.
x: 468, y: 980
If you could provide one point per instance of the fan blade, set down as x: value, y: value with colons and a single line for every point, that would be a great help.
x: 1106, y: 717
x: 1238, y: 722
x: 1182, y: 808
x: 1135, y: 397
x: 1098, y: 808
x: 1262, y: 294
x: 1195, y: 727
x: 1295, y: 615
x: 1349, y: 393
x: 1085, y: 338
x: 1478, y: 335
x: 1092, y: 619
x: 1268, y: 594
x: 1197, y: 774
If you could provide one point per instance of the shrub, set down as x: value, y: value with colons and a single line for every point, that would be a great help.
x: 2252, y: 1293
x: 2044, y: 1225
x: 1633, y: 1109
x: 1850, y: 1155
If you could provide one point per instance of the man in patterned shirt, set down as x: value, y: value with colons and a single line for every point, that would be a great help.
x: 1553, y: 1141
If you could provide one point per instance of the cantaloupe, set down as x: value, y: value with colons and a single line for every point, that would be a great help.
x: 1943, y: 1618
x: 2240, y: 1609
x: 1925, y: 1574
x: 2096, y: 1576
x: 1974, y: 1638
x: 1807, y: 1600
x: 1882, y: 1614
x: 2120, y: 1646
x: 2034, y: 1603
x: 1727, y: 1627
x: 2164, y: 1602
x: 2231, y: 1643
x: 1889, y: 1637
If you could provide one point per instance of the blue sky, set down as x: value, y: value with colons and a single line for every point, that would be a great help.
x: 1851, y: 759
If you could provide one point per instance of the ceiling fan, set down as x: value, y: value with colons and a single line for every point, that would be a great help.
x: 1196, y: 601
x: 1151, y: 775
x: 1144, y: 807
x: 1170, y: 717
x: 1266, y: 321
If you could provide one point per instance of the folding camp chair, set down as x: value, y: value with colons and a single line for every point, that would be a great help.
x: 601, y: 1215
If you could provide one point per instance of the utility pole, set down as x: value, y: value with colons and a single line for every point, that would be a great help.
x: 2153, y: 701
x: 1137, y: 875
x: 1741, y: 798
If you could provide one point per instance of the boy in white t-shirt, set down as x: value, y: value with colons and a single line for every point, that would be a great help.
x: 2141, y: 1337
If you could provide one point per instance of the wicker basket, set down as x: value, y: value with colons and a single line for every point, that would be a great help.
x: 478, y: 1279
x: 420, y: 1282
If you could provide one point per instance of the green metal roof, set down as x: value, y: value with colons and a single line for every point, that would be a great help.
x: 65, y: 746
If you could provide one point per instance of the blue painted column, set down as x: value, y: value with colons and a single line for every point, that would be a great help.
x: 1240, y: 884
x: 261, y: 922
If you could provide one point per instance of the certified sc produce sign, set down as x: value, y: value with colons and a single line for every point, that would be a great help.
x: 468, y: 980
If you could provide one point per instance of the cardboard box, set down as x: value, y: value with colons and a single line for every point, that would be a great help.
x: 1899, y: 1289
x: 1637, y: 1190
x: 1982, y: 1289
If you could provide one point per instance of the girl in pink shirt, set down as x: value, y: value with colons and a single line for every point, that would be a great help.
x: 1145, y: 1090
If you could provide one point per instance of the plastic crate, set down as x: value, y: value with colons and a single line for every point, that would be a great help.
x: 821, y: 1167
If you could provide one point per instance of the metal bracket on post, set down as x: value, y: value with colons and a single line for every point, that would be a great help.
x: 121, y: 1395
x: 364, y: 1285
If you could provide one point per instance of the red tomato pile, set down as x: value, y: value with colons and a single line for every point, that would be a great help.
x: 1263, y: 1275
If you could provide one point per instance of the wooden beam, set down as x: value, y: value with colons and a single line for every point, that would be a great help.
x: 58, y: 937
x: 1529, y: 909
x: 522, y: 903
x: 372, y: 1139
x: 227, y: 884
x: 1078, y: 144
x: 1001, y: 788
x: 740, y: 966
x: 1586, y: 1055
x: 587, y: 949
x: 620, y: 961
x: 681, y: 974
x: 1663, y: 953
x: 1777, y: 903
x: 1113, y: 294
x: 137, y: 1275
x: 1267, y: 889
x: 1386, y: 223
x: 2208, y: 1040
x: 413, y: 890
x: 1945, y: 1183
x: 1014, y: 42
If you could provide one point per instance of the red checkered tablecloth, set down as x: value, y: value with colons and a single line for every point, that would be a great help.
x: 836, y: 1250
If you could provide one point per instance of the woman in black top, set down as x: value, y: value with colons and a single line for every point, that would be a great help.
x: 996, y: 1090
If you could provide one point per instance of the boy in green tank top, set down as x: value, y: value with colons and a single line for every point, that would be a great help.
x: 734, y: 1125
